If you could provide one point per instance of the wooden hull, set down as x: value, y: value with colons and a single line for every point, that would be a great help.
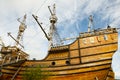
x: 90, y: 71
x: 87, y: 58
x: 84, y: 76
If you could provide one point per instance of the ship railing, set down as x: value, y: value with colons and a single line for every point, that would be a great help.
x: 13, y: 62
x: 98, y: 32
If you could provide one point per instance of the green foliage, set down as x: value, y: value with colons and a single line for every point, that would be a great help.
x: 35, y: 73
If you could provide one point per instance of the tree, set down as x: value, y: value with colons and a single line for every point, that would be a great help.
x: 35, y: 73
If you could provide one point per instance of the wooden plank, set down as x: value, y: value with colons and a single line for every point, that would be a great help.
x: 81, y: 70
x: 74, y: 53
x: 99, y: 49
x: 74, y: 66
x: 84, y: 76
x: 99, y: 40
x: 75, y: 61
x: 96, y: 57
x: 74, y: 45
x: 57, y: 56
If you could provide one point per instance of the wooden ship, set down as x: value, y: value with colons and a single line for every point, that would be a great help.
x: 89, y: 57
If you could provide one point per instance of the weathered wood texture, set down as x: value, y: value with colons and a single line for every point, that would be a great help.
x: 87, y: 58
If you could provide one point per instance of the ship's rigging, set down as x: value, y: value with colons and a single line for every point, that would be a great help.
x: 52, y: 36
x: 1, y: 42
x: 90, y: 24
x: 21, y: 30
x: 14, y: 53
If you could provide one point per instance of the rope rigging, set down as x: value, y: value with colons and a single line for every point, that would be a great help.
x: 41, y: 6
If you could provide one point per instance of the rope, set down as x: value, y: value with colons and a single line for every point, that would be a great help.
x: 11, y: 22
x: 41, y: 6
x: 32, y: 38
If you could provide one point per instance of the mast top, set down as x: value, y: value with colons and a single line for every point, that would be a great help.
x: 90, y: 24
x: 53, y: 18
x: 22, y: 28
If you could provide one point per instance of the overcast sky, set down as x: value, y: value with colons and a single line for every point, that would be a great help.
x: 72, y: 19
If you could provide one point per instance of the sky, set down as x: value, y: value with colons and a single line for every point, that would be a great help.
x: 72, y: 19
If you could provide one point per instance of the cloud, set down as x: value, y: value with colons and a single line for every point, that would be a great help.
x: 93, y: 6
x: 117, y: 76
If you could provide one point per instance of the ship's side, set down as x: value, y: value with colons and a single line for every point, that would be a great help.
x: 89, y: 57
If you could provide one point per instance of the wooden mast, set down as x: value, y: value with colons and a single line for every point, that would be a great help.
x: 35, y: 17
